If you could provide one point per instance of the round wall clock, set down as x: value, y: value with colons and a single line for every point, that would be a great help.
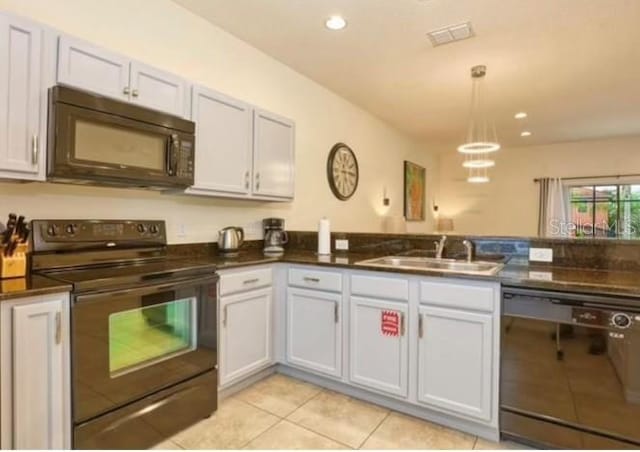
x: 342, y: 171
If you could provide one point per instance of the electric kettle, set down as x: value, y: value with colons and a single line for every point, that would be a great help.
x: 230, y: 239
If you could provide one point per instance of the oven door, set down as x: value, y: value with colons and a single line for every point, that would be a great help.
x: 128, y: 344
x: 117, y: 145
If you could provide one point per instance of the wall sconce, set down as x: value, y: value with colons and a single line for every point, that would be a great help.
x: 385, y: 198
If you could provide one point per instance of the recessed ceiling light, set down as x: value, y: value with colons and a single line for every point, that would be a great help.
x: 525, y: 133
x: 520, y: 115
x: 335, y: 23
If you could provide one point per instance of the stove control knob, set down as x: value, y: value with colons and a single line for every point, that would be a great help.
x: 621, y: 320
x: 141, y: 228
x: 52, y: 230
x: 71, y: 229
x: 154, y: 229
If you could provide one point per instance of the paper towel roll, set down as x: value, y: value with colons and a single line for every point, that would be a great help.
x: 324, y: 237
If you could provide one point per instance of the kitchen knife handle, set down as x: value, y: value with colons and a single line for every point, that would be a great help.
x: 58, y: 333
x: 34, y: 150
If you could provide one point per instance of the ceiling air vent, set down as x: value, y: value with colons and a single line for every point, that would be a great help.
x: 451, y: 33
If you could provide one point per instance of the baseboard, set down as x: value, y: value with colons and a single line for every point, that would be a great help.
x: 230, y: 390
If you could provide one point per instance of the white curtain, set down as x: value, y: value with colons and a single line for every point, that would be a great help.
x: 553, y: 213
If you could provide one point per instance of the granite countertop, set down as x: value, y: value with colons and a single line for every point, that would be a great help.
x: 514, y: 273
x: 29, y: 286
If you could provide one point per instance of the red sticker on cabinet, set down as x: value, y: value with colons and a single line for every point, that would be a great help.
x: 390, y: 323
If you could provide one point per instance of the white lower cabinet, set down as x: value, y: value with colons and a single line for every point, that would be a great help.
x: 35, y: 403
x: 314, y: 331
x: 378, y: 345
x: 245, y: 334
x: 456, y: 361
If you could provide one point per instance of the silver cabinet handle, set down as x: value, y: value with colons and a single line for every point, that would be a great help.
x: 336, y: 312
x: 58, y: 333
x: 257, y: 181
x: 246, y: 180
x: 135, y: 93
x: 310, y: 279
x: 420, y: 326
x: 34, y: 150
x: 224, y: 316
x: 125, y: 91
x: 402, y: 324
x: 250, y: 281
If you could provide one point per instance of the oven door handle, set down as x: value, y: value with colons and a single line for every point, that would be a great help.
x: 144, y: 290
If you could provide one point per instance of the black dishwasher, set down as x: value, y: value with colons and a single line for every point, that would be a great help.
x: 570, y: 369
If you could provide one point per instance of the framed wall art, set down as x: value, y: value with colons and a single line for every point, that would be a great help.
x: 415, y: 180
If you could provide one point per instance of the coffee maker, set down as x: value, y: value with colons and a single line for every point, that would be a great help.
x: 274, y: 236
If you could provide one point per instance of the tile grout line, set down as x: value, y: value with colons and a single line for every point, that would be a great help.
x: 375, y: 429
x: 319, y: 434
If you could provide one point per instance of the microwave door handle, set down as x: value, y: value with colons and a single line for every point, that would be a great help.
x: 172, y: 151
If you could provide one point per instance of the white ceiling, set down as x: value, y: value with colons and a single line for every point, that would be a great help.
x: 572, y: 65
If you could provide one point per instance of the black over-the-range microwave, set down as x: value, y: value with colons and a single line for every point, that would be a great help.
x: 101, y: 141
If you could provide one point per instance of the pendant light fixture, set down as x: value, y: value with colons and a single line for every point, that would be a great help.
x: 481, y: 134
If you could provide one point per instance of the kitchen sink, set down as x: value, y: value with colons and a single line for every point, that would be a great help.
x: 438, y: 265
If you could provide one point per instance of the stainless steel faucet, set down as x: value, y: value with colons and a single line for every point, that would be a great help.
x: 440, y: 246
x: 468, y: 244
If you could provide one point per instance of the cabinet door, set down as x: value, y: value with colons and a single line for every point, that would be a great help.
x: 223, y: 142
x: 455, y: 361
x: 38, y: 375
x: 273, y: 155
x: 245, y: 334
x: 20, y: 91
x: 314, y: 332
x: 156, y: 89
x: 92, y: 68
x: 379, y: 355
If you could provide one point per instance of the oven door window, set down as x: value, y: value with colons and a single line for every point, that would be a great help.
x: 150, y: 334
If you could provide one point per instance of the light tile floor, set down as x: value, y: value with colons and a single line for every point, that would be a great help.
x: 284, y: 413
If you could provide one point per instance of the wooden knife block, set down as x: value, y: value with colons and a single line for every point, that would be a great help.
x: 14, y: 266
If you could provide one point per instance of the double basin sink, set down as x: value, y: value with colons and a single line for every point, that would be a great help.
x: 428, y: 264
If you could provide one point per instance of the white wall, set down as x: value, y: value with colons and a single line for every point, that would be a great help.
x: 165, y: 35
x: 508, y: 205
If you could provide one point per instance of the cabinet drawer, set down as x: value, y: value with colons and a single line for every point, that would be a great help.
x: 315, y: 279
x: 380, y: 287
x: 462, y: 296
x: 242, y: 281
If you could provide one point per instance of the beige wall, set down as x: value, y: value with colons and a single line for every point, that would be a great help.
x: 165, y: 35
x: 508, y: 204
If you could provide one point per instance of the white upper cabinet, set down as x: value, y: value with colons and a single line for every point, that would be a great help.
x: 22, y: 116
x: 455, y: 361
x: 156, y: 89
x: 223, y: 143
x: 92, y: 68
x: 273, y: 155
x: 379, y: 351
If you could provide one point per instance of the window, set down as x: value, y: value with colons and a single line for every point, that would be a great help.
x: 605, y: 211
